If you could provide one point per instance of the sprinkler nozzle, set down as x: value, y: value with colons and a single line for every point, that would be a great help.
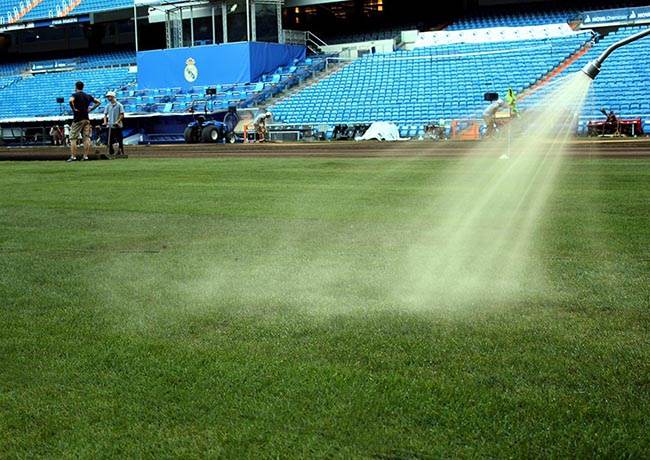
x: 593, y: 68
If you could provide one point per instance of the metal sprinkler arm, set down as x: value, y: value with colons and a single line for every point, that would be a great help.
x: 592, y: 69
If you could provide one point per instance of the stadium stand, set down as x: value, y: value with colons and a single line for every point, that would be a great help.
x: 35, y: 95
x: 510, y: 17
x: 621, y: 86
x: 31, y: 84
x: 13, y: 68
x: 513, y: 20
x: 12, y: 11
x: 30, y: 89
x: 91, y: 6
x: 412, y: 88
x: 380, y: 34
x: 177, y: 100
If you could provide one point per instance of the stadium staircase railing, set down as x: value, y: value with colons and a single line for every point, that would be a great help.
x: 306, y: 38
x: 555, y: 72
x: 68, y: 8
x: 17, y: 13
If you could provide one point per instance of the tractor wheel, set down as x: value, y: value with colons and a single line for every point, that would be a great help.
x: 189, y: 135
x: 231, y: 138
x: 210, y: 134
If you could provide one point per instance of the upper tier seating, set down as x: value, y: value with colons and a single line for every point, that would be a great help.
x: 91, y: 61
x: 13, y: 68
x: 411, y: 88
x: 382, y: 34
x: 29, y: 10
x: 91, y: 6
x: 513, y: 20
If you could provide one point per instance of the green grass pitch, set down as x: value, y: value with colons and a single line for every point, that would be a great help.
x: 245, y: 308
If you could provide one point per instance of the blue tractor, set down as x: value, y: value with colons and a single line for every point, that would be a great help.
x: 213, y: 131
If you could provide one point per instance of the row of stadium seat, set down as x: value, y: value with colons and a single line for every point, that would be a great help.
x: 622, y: 84
x: 400, y: 88
x: 35, y: 95
x: 416, y: 87
x: 107, y: 59
x: 177, y: 100
x: 513, y: 18
x: 385, y: 34
x: 28, y: 10
x: 92, y: 6
x: 30, y: 94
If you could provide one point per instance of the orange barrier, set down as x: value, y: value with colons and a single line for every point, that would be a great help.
x: 471, y: 132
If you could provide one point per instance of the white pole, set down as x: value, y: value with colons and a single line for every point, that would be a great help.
x: 253, y: 21
x: 135, y: 22
x: 248, y: 21
x: 214, y: 34
x: 191, y: 24
x: 279, y: 18
x: 224, y: 21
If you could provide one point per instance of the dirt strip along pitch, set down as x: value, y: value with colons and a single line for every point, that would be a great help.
x: 631, y: 148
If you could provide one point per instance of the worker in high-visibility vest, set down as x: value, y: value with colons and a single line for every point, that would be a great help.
x: 511, y: 99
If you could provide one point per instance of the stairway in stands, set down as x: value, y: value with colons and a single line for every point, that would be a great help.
x: 331, y: 69
x: 556, y: 72
x: 24, y: 11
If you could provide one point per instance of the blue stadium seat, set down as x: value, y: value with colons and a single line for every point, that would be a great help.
x: 411, y: 88
x: 28, y: 10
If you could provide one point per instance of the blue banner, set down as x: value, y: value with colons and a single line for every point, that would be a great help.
x: 231, y: 63
x: 266, y: 57
x: 618, y: 17
x: 45, y: 23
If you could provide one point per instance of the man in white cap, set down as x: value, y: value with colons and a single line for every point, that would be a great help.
x: 490, y: 114
x: 259, y: 122
x: 114, y: 120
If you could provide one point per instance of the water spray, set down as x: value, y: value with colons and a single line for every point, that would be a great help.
x: 593, y: 68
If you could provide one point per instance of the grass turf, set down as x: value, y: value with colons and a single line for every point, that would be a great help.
x: 244, y: 308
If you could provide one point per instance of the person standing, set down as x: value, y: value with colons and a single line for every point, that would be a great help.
x: 81, y: 104
x: 56, y: 135
x: 511, y: 99
x: 66, y: 134
x: 114, y: 119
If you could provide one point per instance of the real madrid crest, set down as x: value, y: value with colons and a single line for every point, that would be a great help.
x: 191, y: 71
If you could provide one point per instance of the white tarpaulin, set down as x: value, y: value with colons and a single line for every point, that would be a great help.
x: 381, y: 131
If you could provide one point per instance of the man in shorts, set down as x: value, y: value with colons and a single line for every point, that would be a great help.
x: 81, y: 104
